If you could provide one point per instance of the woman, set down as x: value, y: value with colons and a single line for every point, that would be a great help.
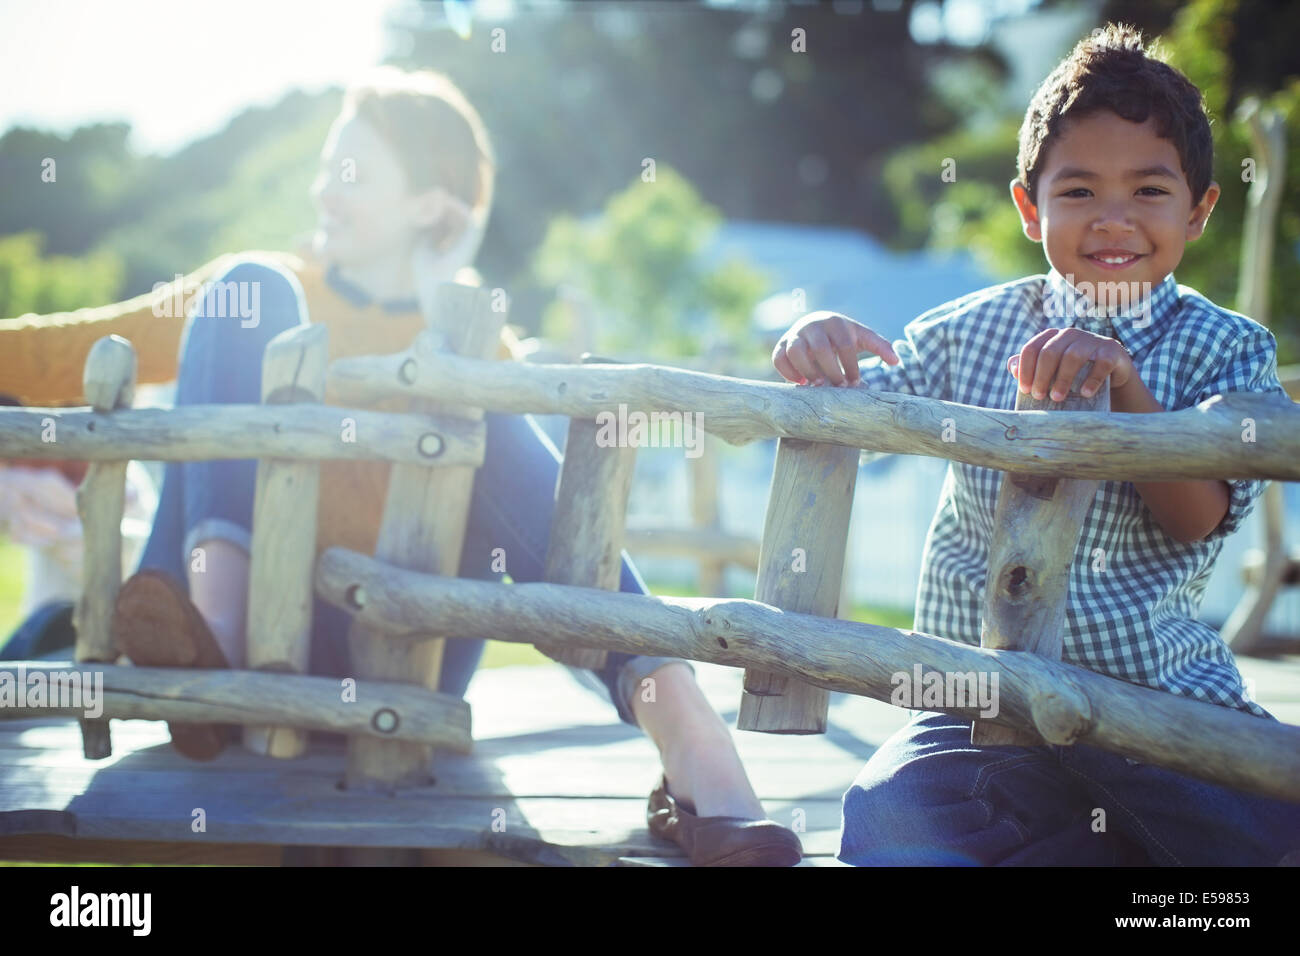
x: 403, y: 195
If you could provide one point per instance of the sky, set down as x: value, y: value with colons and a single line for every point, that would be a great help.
x: 175, y: 69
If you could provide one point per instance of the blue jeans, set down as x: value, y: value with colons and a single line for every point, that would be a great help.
x: 511, y: 506
x: 928, y: 797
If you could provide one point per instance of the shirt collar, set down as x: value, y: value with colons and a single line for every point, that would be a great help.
x: 363, y: 299
x: 1136, y: 324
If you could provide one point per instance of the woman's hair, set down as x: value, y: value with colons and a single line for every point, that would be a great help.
x: 438, y: 137
x: 1113, y: 70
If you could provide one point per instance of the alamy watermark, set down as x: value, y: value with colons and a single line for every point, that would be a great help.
x: 230, y: 300
x: 638, y: 429
x: 66, y: 690
x: 1096, y: 299
x: 929, y: 690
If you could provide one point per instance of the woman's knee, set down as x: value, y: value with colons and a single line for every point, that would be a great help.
x: 254, y: 299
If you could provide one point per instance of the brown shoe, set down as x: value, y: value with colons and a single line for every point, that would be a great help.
x: 720, y: 841
x: 156, y: 625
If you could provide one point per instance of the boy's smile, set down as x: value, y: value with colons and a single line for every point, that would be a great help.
x: 1113, y: 204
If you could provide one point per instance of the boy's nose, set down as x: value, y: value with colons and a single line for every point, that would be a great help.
x: 1114, y: 220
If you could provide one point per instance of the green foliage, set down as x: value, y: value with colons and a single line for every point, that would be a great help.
x: 973, y: 212
x: 117, y: 223
x: 640, y: 265
x: 1204, y: 40
x: 586, y: 91
x: 30, y: 283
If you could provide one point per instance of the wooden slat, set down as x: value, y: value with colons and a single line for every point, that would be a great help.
x: 801, y: 567
x: 1065, y: 703
x: 57, y: 849
x: 586, y: 539
x: 391, y: 709
x: 423, y: 529
x: 283, y: 549
x: 220, y: 432
x: 109, y: 384
x: 1200, y: 442
x: 704, y: 513
x: 1036, y: 527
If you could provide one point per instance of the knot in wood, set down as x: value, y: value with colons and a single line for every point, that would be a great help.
x: 385, y: 720
x: 1060, y: 719
x: 430, y: 445
x: 1017, y: 581
x: 356, y: 597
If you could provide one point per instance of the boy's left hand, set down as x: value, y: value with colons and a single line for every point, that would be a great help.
x: 1051, y: 360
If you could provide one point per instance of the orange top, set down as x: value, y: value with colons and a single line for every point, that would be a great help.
x: 42, y: 358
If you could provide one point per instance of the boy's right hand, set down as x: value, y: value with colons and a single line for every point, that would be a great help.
x: 824, y: 347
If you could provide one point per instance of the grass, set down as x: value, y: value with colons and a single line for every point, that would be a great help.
x: 13, y: 576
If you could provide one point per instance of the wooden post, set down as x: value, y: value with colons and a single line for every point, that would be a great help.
x: 704, y: 514
x: 1036, y: 528
x: 423, y: 529
x: 586, y: 545
x: 1244, y: 629
x: 800, y: 568
x: 109, y: 383
x: 284, y: 534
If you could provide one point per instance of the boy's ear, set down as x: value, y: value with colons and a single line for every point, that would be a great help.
x: 1201, y: 212
x: 1028, y: 211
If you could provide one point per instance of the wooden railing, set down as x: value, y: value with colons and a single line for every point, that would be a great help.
x: 405, y: 601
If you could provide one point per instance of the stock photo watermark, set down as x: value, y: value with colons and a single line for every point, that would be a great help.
x: 927, y: 690
x: 230, y: 300
x: 64, y: 690
x: 637, y: 429
x: 1084, y: 299
x: 75, y: 908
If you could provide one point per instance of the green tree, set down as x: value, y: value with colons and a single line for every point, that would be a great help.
x: 1210, y: 41
x: 30, y: 283
x: 640, y: 265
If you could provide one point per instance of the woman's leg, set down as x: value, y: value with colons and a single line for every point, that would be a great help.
x: 510, y: 522
x: 202, y: 531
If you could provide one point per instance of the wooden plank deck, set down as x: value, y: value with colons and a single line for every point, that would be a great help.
x: 554, y: 779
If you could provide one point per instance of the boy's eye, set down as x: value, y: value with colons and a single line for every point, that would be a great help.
x: 1154, y: 189
x: 1072, y: 192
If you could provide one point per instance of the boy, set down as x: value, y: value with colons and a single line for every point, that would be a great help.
x: 1114, y: 179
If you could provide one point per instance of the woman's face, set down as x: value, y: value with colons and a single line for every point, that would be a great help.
x: 361, y: 195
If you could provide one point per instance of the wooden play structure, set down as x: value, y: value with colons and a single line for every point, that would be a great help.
x: 373, y: 802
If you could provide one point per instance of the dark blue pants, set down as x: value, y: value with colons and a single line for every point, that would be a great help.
x: 928, y: 797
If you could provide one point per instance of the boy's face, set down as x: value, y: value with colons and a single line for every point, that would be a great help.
x: 1111, y: 189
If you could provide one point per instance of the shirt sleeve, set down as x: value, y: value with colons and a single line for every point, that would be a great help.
x: 922, y: 368
x: 1249, y: 365
x: 42, y: 357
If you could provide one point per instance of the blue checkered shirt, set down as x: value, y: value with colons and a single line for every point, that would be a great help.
x: 1133, y: 617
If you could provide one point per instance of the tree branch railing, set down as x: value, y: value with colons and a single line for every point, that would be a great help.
x: 1227, y: 436
x: 1063, y: 704
x: 1239, y: 435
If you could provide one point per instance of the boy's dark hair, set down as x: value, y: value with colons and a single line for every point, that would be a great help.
x: 1112, y: 70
